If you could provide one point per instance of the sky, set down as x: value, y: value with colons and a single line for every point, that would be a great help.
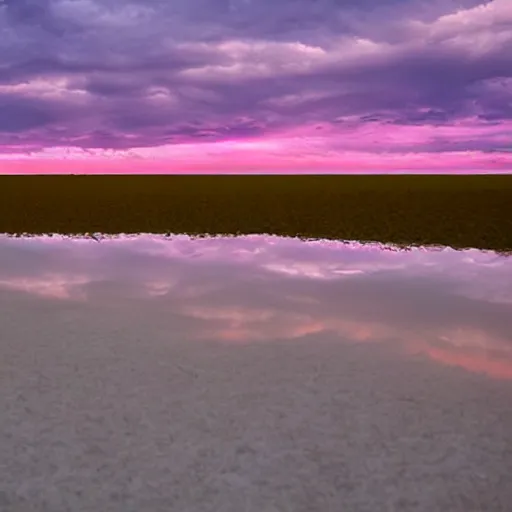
x: 233, y: 86
x: 451, y: 306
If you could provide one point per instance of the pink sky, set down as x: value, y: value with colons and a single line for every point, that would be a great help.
x: 236, y: 87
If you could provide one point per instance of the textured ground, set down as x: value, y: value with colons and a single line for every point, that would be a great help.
x: 117, y: 413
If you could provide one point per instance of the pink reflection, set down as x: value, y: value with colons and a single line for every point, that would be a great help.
x: 452, y: 306
x: 475, y: 361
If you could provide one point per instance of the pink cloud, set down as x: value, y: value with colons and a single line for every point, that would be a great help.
x: 319, y: 148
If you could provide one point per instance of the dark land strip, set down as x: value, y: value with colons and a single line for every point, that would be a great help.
x: 456, y: 211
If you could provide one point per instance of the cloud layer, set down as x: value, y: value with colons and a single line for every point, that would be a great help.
x: 237, y: 85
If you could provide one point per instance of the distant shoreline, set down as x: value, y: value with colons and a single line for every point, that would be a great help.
x: 459, y: 211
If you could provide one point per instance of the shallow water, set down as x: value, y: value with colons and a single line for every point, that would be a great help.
x: 253, y: 373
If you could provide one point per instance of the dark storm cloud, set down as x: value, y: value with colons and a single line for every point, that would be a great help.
x: 20, y: 114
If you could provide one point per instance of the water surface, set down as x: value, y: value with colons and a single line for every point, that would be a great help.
x: 253, y: 373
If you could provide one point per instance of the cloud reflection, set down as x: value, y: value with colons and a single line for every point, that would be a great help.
x: 452, y: 306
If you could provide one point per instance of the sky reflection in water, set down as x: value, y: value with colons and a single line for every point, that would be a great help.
x: 453, y: 307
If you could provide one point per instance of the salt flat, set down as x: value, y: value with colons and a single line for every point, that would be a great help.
x: 320, y: 397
